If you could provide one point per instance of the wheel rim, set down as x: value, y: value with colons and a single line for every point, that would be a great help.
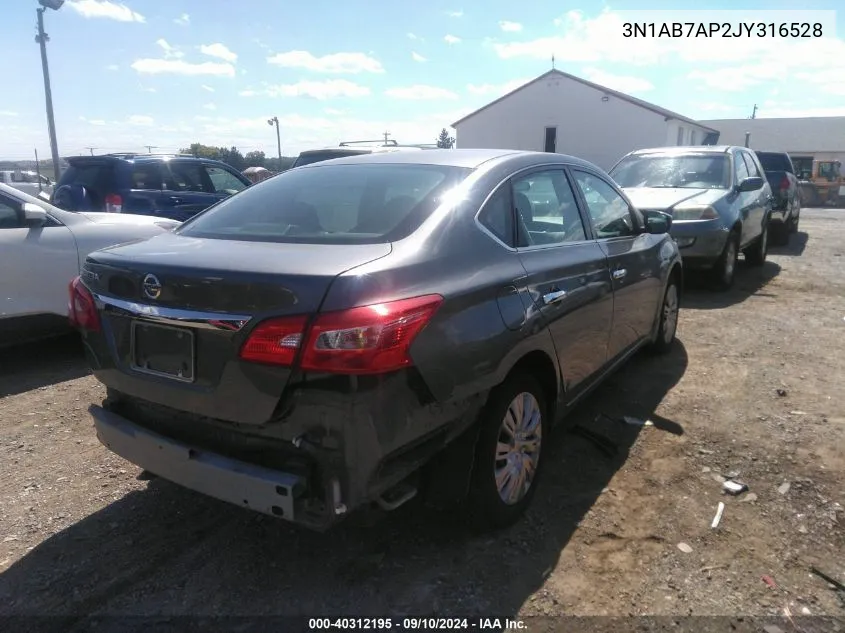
x: 518, y: 448
x: 670, y: 313
x: 730, y: 262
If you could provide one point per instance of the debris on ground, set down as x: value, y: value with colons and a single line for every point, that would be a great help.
x: 636, y: 421
x: 734, y: 487
x: 717, y: 519
x: 749, y: 497
x: 686, y: 549
x: 782, y: 393
x: 769, y: 581
x: 784, y: 487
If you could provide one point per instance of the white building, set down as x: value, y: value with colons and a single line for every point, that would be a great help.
x: 804, y: 139
x: 558, y: 112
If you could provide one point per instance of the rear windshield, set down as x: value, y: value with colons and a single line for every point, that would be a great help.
x: 691, y: 171
x: 331, y: 204
x: 774, y: 162
x: 309, y: 158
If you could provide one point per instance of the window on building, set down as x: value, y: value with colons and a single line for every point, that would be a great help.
x: 551, y: 140
x: 680, y: 135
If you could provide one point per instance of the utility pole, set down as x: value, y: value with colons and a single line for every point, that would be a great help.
x: 754, y: 112
x: 91, y: 149
x: 150, y: 148
x: 38, y: 169
x: 275, y: 121
x: 42, y: 38
x: 386, y: 135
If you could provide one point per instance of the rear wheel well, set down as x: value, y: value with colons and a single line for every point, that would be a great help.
x: 540, y: 366
x: 677, y: 276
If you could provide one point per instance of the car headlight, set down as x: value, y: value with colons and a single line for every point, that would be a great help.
x: 167, y: 225
x: 696, y: 212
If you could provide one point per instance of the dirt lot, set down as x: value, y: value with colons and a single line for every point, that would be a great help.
x: 755, y: 385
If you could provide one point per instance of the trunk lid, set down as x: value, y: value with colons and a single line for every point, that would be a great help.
x: 211, y: 294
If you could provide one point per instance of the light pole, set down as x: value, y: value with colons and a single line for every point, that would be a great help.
x: 42, y: 38
x: 275, y: 121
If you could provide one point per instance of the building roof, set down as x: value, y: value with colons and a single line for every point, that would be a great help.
x: 794, y: 135
x: 619, y: 95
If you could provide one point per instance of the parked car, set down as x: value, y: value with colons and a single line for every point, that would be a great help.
x: 30, y: 182
x: 357, y: 330
x: 168, y: 186
x: 717, y: 196
x: 351, y: 148
x: 786, y: 194
x: 41, y: 249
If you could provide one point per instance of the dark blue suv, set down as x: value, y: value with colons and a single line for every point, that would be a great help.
x: 172, y: 186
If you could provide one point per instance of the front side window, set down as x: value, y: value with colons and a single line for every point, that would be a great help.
x: 224, y: 181
x: 609, y: 211
x: 546, y: 208
x: 740, y: 168
x: 690, y: 171
x: 751, y: 165
x: 187, y: 177
x: 331, y: 204
x: 9, y: 216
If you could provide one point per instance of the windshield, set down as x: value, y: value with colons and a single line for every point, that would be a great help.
x: 331, y: 204
x: 309, y: 158
x: 703, y: 171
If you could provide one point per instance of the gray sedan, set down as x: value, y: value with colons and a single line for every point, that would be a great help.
x: 718, y: 197
x: 311, y: 344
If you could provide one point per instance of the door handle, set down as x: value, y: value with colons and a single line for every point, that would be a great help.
x: 619, y: 273
x: 175, y: 200
x: 554, y: 296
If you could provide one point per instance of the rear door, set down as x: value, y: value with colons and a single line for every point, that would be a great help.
x: 633, y: 258
x: 567, y: 272
x: 146, y: 188
x: 191, y: 186
x: 744, y: 201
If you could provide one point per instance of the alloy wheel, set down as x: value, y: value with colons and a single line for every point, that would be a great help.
x: 670, y: 313
x: 518, y: 448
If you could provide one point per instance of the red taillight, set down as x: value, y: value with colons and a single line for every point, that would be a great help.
x: 82, y: 311
x: 114, y: 203
x: 366, y: 340
x: 275, y: 341
x: 784, y: 183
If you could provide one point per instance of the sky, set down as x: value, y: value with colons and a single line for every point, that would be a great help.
x: 148, y: 72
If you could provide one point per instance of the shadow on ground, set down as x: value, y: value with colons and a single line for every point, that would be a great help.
x: 749, y: 281
x: 27, y: 367
x: 795, y: 248
x: 168, y: 550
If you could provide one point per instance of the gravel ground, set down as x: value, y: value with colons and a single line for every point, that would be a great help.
x: 753, y: 389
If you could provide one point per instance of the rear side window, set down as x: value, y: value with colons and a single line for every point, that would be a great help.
x: 331, y: 204
x: 187, y: 177
x: 497, y: 216
x: 93, y: 176
x: 147, y: 177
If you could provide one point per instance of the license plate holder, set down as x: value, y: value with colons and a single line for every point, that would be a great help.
x: 163, y: 350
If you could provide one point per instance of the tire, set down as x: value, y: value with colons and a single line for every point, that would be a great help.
x: 756, y: 254
x: 724, y: 272
x: 488, y: 507
x: 668, y: 319
x: 793, y: 221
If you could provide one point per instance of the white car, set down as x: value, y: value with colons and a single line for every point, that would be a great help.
x: 41, y: 250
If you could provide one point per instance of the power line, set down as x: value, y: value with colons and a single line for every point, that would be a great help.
x: 91, y: 149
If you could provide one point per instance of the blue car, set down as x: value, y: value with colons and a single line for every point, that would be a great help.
x: 718, y: 197
x: 170, y: 186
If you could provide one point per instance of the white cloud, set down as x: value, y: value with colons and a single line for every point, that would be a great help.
x: 207, y: 88
x: 209, y: 106
x: 414, y: 36
x: 320, y: 90
x: 417, y: 57
x: 451, y: 39
x: 455, y: 14
x: 147, y: 89
x: 169, y: 51
x: 350, y: 63
x: 112, y: 67
x: 221, y: 51
x: 181, y: 67
x: 496, y: 90
x: 420, y: 92
x: 510, y: 27
x: 622, y: 83
x: 8, y: 113
x: 333, y: 111
x: 735, y: 78
x: 140, y: 119
x: 105, y: 9
x: 183, y: 20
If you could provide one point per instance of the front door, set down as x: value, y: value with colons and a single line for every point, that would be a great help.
x: 192, y: 186
x: 633, y: 259
x: 567, y: 272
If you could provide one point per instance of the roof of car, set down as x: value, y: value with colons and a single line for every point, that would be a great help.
x: 467, y: 158
x: 137, y: 158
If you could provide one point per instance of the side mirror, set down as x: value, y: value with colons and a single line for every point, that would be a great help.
x: 657, y: 222
x: 750, y: 184
x: 33, y: 215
